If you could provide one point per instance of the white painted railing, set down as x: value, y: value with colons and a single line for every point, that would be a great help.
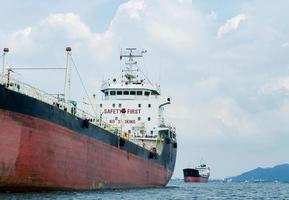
x: 40, y: 95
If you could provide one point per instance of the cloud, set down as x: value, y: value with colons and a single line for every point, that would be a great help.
x: 134, y: 9
x: 233, y: 118
x: 170, y: 24
x: 175, y: 25
x: 276, y: 85
x: 59, y: 29
x: 70, y: 23
x: 231, y: 25
x: 17, y: 40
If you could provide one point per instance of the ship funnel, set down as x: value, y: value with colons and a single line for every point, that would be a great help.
x: 5, y: 51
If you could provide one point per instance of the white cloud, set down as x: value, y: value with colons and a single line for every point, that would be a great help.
x: 233, y: 118
x: 278, y: 84
x: 78, y: 32
x: 170, y: 24
x: 176, y: 25
x: 173, y: 24
x: 70, y: 22
x: 231, y: 25
x: 60, y: 29
x: 134, y: 8
x: 17, y: 40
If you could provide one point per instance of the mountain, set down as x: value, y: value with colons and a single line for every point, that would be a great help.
x: 277, y: 173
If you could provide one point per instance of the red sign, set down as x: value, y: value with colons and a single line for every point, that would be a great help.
x: 123, y: 111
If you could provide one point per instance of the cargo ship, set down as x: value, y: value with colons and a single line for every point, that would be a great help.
x: 48, y: 143
x: 199, y: 174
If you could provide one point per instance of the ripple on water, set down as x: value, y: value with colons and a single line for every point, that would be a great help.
x: 176, y: 190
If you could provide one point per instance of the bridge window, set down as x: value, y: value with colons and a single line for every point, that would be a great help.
x: 112, y: 93
x: 139, y: 93
x: 106, y: 93
x: 147, y: 93
x: 119, y: 92
x: 126, y: 93
x: 154, y: 92
x: 132, y: 92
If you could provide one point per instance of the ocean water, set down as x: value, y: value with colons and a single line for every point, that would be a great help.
x: 176, y: 190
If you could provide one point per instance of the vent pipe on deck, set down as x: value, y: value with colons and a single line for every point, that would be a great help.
x: 5, y: 51
x: 67, y: 84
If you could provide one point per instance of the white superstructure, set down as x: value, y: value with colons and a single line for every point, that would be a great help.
x: 132, y: 103
x: 204, y: 170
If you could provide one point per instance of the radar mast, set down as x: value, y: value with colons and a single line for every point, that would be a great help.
x: 130, y: 71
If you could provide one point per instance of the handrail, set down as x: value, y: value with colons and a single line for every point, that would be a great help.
x: 28, y: 90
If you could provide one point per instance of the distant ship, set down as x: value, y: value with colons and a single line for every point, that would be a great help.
x: 48, y: 143
x: 199, y: 174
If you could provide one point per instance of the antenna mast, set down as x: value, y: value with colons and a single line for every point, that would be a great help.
x: 5, y: 51
x: 67, y: 84
x: 131, y: 70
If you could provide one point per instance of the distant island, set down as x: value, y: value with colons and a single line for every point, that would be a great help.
x: 278, y: 173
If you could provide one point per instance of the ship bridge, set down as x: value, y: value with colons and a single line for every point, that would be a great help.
x: 114, y: 90
x: 131, y: 102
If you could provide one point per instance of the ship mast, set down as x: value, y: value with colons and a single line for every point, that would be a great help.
x: 131, y: 69
x: 5, y: 51
x: 67, y: 84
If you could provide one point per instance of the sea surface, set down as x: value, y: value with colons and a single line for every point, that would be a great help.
x: 176, y: 190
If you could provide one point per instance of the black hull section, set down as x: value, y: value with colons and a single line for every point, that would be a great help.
x: 191, y: 173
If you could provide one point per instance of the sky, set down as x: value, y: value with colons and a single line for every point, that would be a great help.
x: 224, y: 64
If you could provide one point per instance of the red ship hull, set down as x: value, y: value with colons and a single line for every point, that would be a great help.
x: 36, y: 154
x: 195, y: 179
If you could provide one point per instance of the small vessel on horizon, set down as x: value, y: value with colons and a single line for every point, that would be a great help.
x: 199, y: 174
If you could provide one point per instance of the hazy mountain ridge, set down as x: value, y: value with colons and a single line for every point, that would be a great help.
x: 277, y: 173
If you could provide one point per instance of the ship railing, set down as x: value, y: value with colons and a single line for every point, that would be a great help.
x: 28, y: 90
x: 31, y: 91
